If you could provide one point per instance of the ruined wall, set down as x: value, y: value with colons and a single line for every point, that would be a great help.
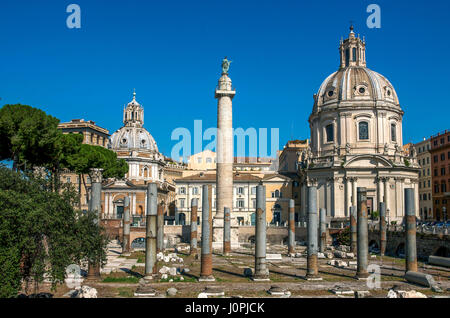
x: 427, y: 244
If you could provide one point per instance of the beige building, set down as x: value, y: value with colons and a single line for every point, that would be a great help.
x: 425, y: 179
x: 290, y: 156
x: 356, y: 139
x: 203, y: 161
x: 92, y: 135
x: 278, y: 190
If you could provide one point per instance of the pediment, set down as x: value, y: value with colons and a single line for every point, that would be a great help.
x: 368, y: 161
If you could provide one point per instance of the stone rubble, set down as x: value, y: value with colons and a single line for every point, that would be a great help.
x: 85, y: 292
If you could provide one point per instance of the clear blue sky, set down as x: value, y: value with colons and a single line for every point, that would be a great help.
x: 171, y: 51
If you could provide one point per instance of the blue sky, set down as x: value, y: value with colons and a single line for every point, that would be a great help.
x: 171, y: 51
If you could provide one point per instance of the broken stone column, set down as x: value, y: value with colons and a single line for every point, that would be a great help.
x: 261, y: 269
x: 312, y: 271
x: 362, y: 243
x: 194, y: 206
x: 382, y: 228
x: 353, y: 232
x: 291, y: 229
x: 95, y: 205
x: 410, y: 231
x: 227, y: 231
x: 150, y: 243
x: 323, y: 230
x: 160, y: 229
x: 206, y: 260
x: 126, y: 225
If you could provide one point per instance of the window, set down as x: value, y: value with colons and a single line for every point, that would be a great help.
x: 254, y: 203
x: 330, y: 133
x: 443, y: 171
x: 428, y: 160
x: 68, y: 179
x: 240, y: 203
x: 448, y: 155
x: 354, y: 54
x: 194, y: 190
x: 182, y: 190
x: 442, y: 156
x: 435, y: 159
x: 347, y: 57
x: 436, y: 188
x: 182, y: 203
x: 253, y: 190
x: 393, y: 133
x: 435, y: 172
x: 240, y: 190
x: 443, y: 187
x: 363, y: 130
x: 199, y: 160
x: 208, y: 160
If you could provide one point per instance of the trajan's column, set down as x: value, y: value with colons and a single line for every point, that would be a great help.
x: 224, y: 174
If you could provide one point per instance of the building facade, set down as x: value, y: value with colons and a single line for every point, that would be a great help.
x: 425, y: 179
x: 440, y: 167
x: 356, y: 139
x: 278, y: 191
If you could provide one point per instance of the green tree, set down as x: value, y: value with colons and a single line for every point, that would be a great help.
x: 343, y: 237
x: 41, y: 233
x: 28, y: 136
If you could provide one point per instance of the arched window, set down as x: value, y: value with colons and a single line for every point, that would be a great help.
x: 277, y: 194
x: 393, y: 133
x: 354, y: 54
x: 347, y: 57
x: 329, y: 132
x: 363, y: 130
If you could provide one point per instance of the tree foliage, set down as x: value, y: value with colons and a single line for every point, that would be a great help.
x: 28, y: 135
x: 344, y: 237
x: 41, y: 233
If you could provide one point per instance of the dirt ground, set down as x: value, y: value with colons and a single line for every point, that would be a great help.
x: 287, y: 273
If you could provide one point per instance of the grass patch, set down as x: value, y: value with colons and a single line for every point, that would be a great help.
x: 126, y: 292
x: 127, y: 279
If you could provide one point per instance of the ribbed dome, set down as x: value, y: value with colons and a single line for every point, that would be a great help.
x: 355, y: 83
x: 133, y: 138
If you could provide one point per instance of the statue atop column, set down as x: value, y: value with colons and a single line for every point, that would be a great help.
x: 225, y: 65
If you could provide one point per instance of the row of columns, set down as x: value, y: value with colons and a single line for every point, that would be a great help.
x: 261, y: 271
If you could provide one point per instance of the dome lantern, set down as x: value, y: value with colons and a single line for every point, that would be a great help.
x: 352, y: 51
x: 133, y: 114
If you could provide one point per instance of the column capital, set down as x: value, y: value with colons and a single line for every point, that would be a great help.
x: 311, y: 182
x: 96, y: 175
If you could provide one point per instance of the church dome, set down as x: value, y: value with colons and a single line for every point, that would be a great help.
x: 133, y: 136
x: 354, y: 82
